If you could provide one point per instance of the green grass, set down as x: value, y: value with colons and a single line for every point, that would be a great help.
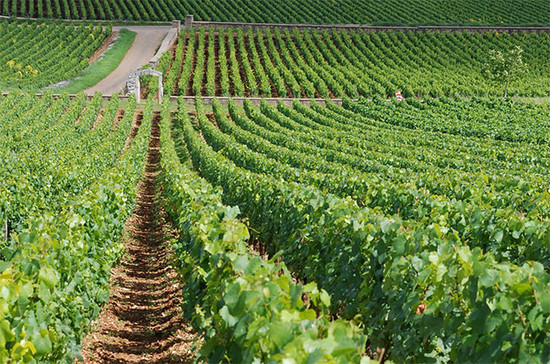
x: 100, y: 69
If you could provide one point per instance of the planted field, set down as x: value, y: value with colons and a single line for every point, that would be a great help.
x: 67, y: 185
x: 336, y: 64
x: 429, y: 220
x: 410, y: 231
x: 496, y: 12
x: 34, y: 56
x: 246, y: 308
x: 42, y: 127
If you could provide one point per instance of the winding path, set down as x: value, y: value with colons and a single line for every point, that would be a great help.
x: 148, y: 39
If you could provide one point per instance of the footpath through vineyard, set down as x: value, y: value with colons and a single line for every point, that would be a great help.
x: 142, y: 322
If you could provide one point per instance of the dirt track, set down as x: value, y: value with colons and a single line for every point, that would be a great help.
x: 148, y: 39
x: 142, y: 322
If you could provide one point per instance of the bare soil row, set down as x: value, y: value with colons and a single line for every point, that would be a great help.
x: 142, y: 322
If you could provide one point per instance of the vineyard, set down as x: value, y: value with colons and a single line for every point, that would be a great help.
x: 336, y: 64
x: 435, y: 232
x: 65, y: 213
x: 34, y: 56
x: 396, y: 12
x: 403, y: 216
x: 424, y: 224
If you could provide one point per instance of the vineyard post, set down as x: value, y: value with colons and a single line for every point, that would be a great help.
x: 138, y: 89
x: 6, y: 230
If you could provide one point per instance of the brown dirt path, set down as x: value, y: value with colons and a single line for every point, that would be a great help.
x: 142, y: 321
x: 148, y: 39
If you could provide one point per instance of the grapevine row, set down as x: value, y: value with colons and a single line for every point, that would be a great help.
x: 336, y: 64
x: 57, y: 271
x: 420, y: 288
x: 235, y: 288
x: 414, y: 12
x: 474, y: 221
x: 34, y: 56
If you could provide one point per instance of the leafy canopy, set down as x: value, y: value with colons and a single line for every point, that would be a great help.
x: 505, y: 67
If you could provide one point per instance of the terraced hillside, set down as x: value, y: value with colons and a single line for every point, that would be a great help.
x: 336, y: 64
x: 495, y: 12
x: 34, y: 56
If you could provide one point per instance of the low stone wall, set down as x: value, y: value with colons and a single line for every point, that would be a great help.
x: 207, y: 100
x: 167, y: 43
x: 73, y: 96
x: 190, y: 24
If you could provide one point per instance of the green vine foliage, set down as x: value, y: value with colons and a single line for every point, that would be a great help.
x: 249, y: 309
x: 425, y: 287
x: 55, y: 269
x: 419, y: 12
x: 33, y: 56
x: 334, y: 64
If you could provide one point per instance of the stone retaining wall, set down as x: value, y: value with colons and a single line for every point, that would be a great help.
x: 207, y: 100
x: 191, y: 24
x: 167, y: 43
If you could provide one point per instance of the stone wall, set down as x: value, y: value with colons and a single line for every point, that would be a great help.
x: 132, y: 82
x: 190, y: 24
x: 167, y: 43
x: 207, y: 100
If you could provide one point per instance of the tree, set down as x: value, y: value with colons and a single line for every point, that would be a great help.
x: 505, y: 67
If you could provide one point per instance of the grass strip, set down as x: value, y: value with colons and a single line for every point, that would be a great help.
x: 104, y: 66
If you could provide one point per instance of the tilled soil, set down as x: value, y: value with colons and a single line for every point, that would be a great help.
x: 136, y: 123
x: 98, y: 118
x: 142, y: 321
x: 180, y: 70
x: 119, y: 115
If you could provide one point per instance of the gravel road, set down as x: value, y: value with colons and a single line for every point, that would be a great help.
x: 148, y: 39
